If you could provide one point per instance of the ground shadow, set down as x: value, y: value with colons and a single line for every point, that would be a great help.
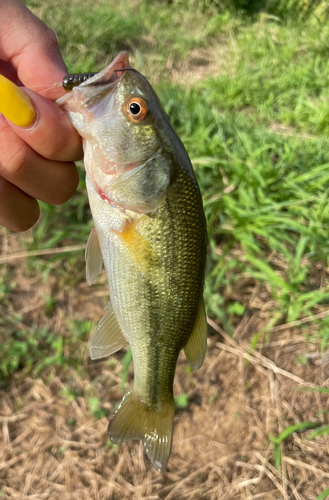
x: 280, y: 8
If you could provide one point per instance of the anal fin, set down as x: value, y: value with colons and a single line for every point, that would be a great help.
x: 134, y: 419
x: 195, y: 348
x: 93, y: 257
x: 108, y: 337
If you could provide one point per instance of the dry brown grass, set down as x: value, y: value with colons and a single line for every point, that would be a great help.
x: 51, y: 447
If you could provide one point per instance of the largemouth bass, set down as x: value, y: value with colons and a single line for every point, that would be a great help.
x: 150, y: 232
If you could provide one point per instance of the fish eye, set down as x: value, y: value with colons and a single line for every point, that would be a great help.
x: 136, y: 109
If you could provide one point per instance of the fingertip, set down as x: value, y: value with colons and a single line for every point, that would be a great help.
x: 23, y: 225
x: 72, y: 183
x: 50, y: 134
x: 63, y: 191
x: 18, y: 211
x: 15, y: 105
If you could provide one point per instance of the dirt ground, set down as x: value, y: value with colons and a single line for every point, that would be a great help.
x: 52, y: 447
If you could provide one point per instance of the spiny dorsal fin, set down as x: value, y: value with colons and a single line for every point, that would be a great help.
x: 134, y: 419
x: 93, y: 257
x: 108, y: 337
x: 195, y: 349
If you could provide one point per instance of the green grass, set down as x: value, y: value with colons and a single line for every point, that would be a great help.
x: 24, y: 349
x: 287, y: 432
x: 323, y: 495
x: 255, y: 127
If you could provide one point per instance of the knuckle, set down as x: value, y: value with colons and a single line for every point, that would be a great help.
x: 51, y: 36
x: 50, y: 44
x: 51, y: 150
x: 58, y: 149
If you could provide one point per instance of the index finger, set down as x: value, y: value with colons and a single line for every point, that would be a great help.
x: 25, y: 40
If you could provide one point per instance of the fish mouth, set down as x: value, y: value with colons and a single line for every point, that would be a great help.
x: 103, y: 80
x: 113, y: 72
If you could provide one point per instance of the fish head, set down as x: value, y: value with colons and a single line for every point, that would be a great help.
x: 123, y: 125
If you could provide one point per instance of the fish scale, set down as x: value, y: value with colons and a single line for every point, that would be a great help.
x: 150, y: 231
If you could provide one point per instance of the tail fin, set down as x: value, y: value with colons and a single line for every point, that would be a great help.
x: 134, y: 419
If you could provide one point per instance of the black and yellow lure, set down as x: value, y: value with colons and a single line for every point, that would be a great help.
x: 71, y: 81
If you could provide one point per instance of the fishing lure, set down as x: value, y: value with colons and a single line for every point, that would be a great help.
x: 71, y: 81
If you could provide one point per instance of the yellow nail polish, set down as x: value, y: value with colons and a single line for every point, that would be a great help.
x: 14, y: 104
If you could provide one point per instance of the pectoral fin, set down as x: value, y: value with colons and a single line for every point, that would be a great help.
x: 108, y: 337
x: 93, y: 257
x: 195, y: 349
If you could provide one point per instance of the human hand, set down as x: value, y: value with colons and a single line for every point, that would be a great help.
x: 38, y: 144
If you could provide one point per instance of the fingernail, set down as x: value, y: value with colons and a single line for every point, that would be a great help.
x: 14, y: 104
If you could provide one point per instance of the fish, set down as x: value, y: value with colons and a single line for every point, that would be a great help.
x: 150, y: 234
